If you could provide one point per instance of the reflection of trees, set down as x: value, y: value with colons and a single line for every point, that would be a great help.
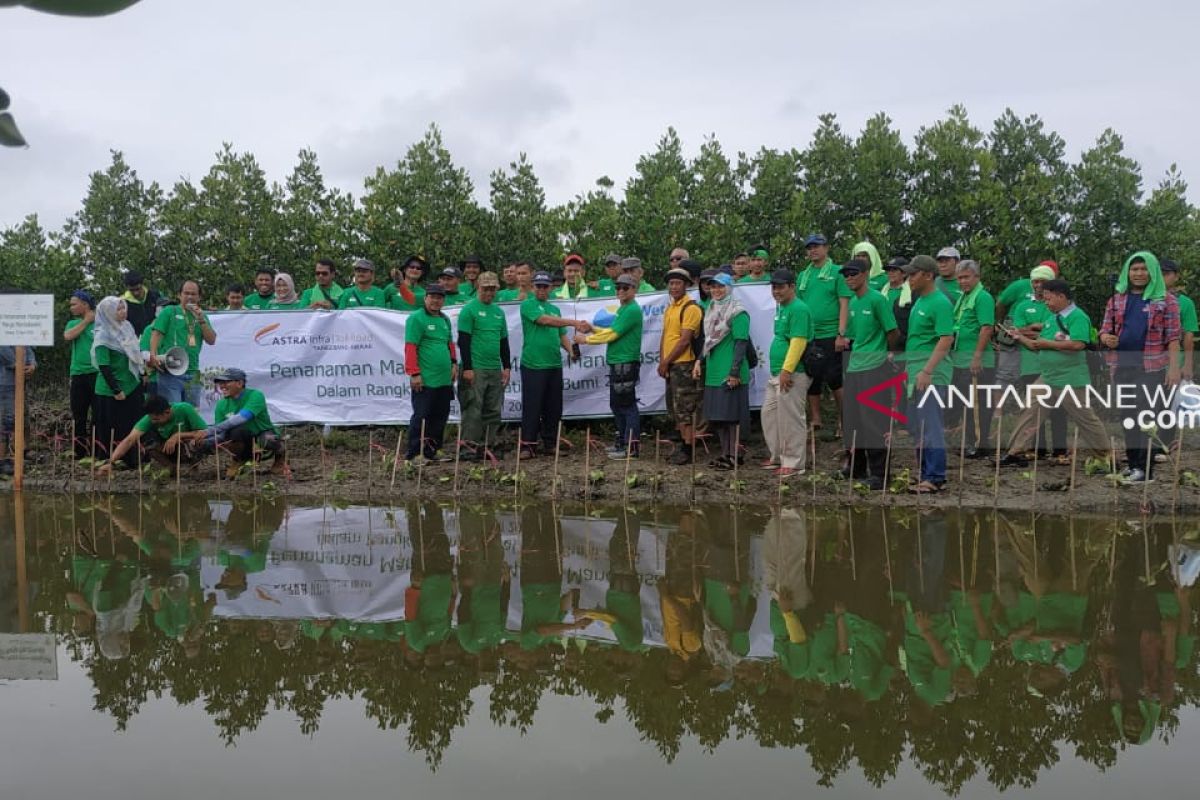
x: 1001, y: 731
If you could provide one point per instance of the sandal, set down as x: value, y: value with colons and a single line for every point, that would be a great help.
x: 724, y: 463
x: 925, y: 487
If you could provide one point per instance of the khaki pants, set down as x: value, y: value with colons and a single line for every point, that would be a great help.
x: 785, y: 424
x: 1092, y: 434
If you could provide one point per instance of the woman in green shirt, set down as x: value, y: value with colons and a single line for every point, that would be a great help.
x: 725, y: 366
x: 117, y: 357
x: 285, y: 294
x: 78, y: 336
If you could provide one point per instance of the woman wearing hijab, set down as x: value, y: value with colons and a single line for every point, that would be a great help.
x: 78, y: 334
x: 285, y: 293
x: 724, y: 362
x: 117, y: 357
x: 1141, y: 333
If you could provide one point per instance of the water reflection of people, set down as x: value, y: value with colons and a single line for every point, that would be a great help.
x: 679, y: 594
x: 484, y: 581
x: 429, y: 598
x: 622, y: 610
x: 785, y: 552
x: 728, y: 593
x: 108, y: 595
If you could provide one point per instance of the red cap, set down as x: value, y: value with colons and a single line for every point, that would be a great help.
x: 573, y: 258
x: 1051, y: 264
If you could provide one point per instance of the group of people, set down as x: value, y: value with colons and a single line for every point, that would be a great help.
x: 926, y: 327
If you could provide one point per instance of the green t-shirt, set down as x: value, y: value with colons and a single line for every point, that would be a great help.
x: 1187, y: 319
x: 457, y: 298
x: 315, y: 293
x: 81, y: 349
x: 251, y: 400
x: 485, y: 630
x: 356, y: 298
x: 180, y: 329
x: 749, y: 278
x: 487, y: 325
x: 1057, y: 612
x: 731, y: 612
x: 720, y: 358
x: 794, y: 657
x: 972, y: 649
x: 932, y: 318
x: 183, y: 418
x: 1018, y: 290
x: 126, y: 380
x: 396, y: 300
x: 870, y: 672
x: 967, y: 324
x: 828, y: 665
x: 1062, y: 367
x: 791, y: 321
x: 892, y: 293
x: 540, y: 349
x: 431, y: 334
x: 275, y: 305
x: 948, y: 287
x: 1185, y: 643
x: 931, y: 682
x: 871, y: 319
x: 432, y: 621
x: 821, y: 289
x: 627, y: 347
x: 645, y: 288
x: 540, y: 605
x: 512, y: 294
x: 627, y: 607
x: 1028, y: 311
x: 257, y: 302
x: 605, y: 288
x: 878, y: 282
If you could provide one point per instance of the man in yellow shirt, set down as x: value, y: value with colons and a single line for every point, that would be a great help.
x: 680, y: 340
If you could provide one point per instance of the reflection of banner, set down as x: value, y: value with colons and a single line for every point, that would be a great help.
x: 28, y: 656
x: 347, y: 367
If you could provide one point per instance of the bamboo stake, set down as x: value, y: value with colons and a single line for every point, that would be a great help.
x: 853, y: 453
x: 962, y: 447
x: 693, y: 458
x: 1112, y: 442
x: 139, y: 470
x: 420, y: 469
x: 18, y: 455
x: 1146, y: 485
x: 557, y: 448
x: 587, y: 465
x: 999, y: 446
x: 517, y: 474
x: 178, y: 460
x: 371, y: 464
x: 1074, y: 460
x: 1037, y: 449
x: 657, y: 471
x: 74, y: 435
x: 111, y: 465
x: 92, y: 465
x: 457, y: 457
x: 217, y: 461
x: 325, y: 466
x: 396, y: 459
x: 737, y: 442
x: 812, y: 440
x: 887, y: 555
x: 628, y: 458
x: 887, y: 458
x: 1178, y: 458
x: 1071, y: 544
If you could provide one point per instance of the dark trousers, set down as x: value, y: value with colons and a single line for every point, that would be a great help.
x: 977, y: 434
x: 431, y: 409
x: 240, y: 444
x: 622, y: 400
x: 1138, y: 443
x: 541, y: 406
x: 864, y: 429
x: 83, y: 411
x: 115, y: 419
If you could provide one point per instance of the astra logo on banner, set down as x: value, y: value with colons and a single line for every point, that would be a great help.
x: 896, y: 385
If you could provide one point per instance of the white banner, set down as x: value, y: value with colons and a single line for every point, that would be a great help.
x: 28, y: 656
x: 347, y: 367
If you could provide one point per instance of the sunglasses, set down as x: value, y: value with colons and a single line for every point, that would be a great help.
x: 676, y: 258
x: 321, y: 273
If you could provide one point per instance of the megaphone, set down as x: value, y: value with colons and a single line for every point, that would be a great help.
x: 176, y: 361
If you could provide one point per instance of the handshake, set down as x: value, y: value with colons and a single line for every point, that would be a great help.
x: 582, y: 325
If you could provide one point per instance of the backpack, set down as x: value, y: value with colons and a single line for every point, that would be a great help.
x: 698, y: 339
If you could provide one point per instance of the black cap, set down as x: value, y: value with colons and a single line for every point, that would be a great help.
x: 542, y: 278
x: 921, y: 263
x: 853, y: 267
x: 229, y: 374
x: 783, y: 276
x: 625, y: 280
x: 451, y: 272
x: 726, y: 268
x: 420, y: 262
x: 899, y: 262
x: 692, y: 266
x: 472, y: 258
x: 815, y: 238
x: 1168, y: 265
x: 436, y: 288
x: 134, y: 278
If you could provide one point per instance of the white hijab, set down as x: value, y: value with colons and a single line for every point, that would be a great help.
x: 115, y: 335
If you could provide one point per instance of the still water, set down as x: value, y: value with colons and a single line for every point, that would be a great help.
x: 210, y: 647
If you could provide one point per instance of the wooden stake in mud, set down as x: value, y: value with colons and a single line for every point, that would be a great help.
x: 74, y: 434
x: 693, y: 458
x: 396, y: 458
x: 92, y: 465
x: 1112, y: 443
x: 324, y: 468
x: 217, y: 461
x: 962, y: 447
x: 887, y: 456
x: 18, y: 442
x: 178, y: 460
x: 111, y: 466
x: 139, y: 468
x: 1037, y: 435
x: 812, y: 440
x: 628, y: 459
x: 587, y: 464
x: 1178, y: 456
x: 457, y: 457
x: 1071, y: 544
x: 887, y: 556
x: 853, y: 452
x: 517, y: 474
x: 1146, y: 487
x: 557, y: 448
x: 999, y: 448
x: 371, y: 464
x: 421, y: 466
x: 1074, y: 460
x: 737, y: 441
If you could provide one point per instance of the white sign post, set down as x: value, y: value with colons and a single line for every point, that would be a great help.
x: 26, y: 320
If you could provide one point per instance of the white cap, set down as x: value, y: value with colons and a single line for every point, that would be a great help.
x: 948, y: 252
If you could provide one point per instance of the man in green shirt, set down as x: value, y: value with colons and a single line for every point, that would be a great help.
x: 1060, y: 347
x: 264, y: 289
x: 541, y: 367
x: 167, y: 428
x: 624, y: 356
x: 451, y: 281
x: 326, y: 292
x: 78, y: 333
x: 827, y: 296
x: 973, y: 358
x: 633, y: 268
x: 431, y: 362
x: 926, y: 358
x: 1188, y: 327
x: 947, y: 267
x: 241, y: 420
x: 873, y: 333
x: 606, y: 286
x: 405, y: 292
x: 471, y: 268
x: 486, y: 367
x: 574, y: 286
x: 186, y: 326
x: 364, y: 293
x: 756, y: 266
x: 523, y: 290
x: 483, y: 575
x: 235, y: 297
x: 783, y: 422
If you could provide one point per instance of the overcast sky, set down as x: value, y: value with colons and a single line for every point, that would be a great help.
x: 583, y: 86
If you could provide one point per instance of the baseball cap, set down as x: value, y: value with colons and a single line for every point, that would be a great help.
x: 626, y: 280
x: 134, y: 278
x: 920, y: 264
x: 573, y: 258
x: 853, y: 266
x: 452, y: 272
x: 949, y: 252
x: 692, y: 267
x: 486, y: 279
x: 471, y: 258
x: 815, y: 238
x: 723, y: 278
x: 435, y: 288
x: 899, y: 262
x: 230, y: 374
x: 707, y: 275
x: 364, y: 263
x: 420, y: 262
x: 542, y: 278
x: 1051, y: 264
x: 1168, y: 265
x: 630, y: 263
x: 612, y: 258
x: 1041, y: 273
x: 783, y: 276
x: 674, y: 272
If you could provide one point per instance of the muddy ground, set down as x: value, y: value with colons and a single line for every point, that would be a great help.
x: 356, y: 465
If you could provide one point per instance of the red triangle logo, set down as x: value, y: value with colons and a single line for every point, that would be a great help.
x: 897, y: 384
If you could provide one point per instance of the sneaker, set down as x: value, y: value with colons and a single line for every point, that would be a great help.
x: 770, y: 464
x: 614, y: 452
x: 1013, y: 460
x: 788, y: 472
x: 1136, y: 477
x: 442, y: 457
x: 619, y: 455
